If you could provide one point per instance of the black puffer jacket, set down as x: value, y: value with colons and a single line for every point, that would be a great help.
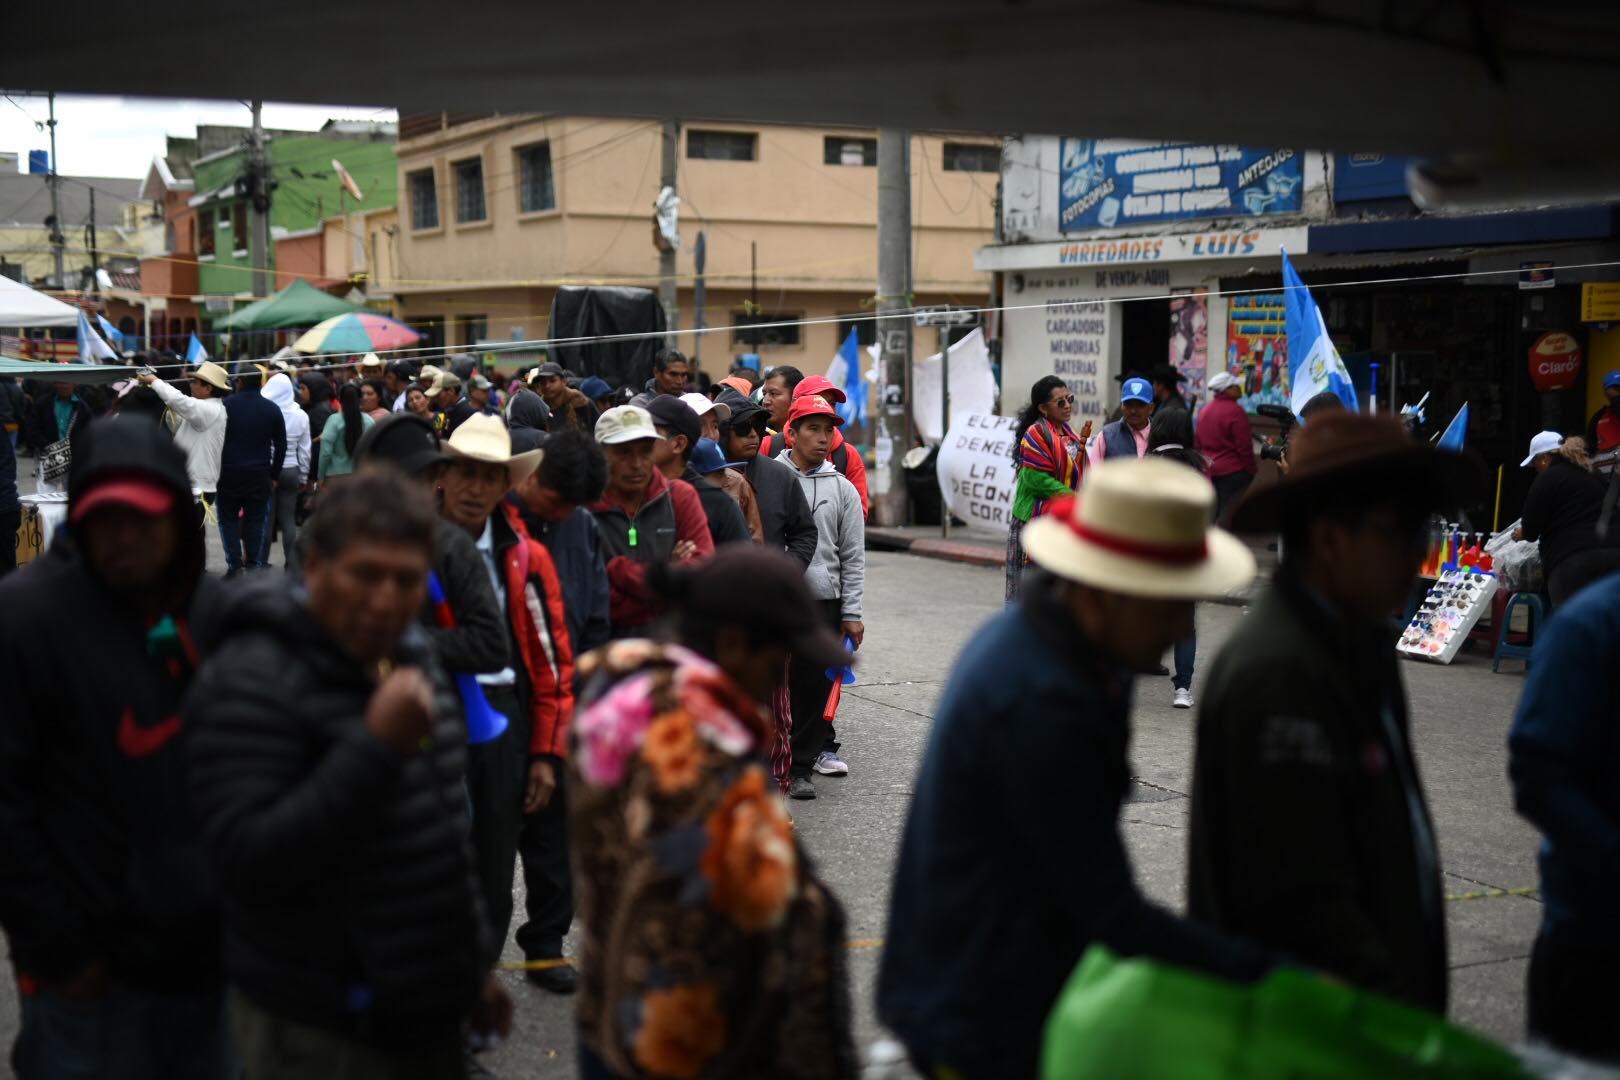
x: 784, y: 512
x: 99, y: 853
x: 350, y: 901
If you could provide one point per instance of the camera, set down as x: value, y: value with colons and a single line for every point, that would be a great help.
x: 1285, y: 422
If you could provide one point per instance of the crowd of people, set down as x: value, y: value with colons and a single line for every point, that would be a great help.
x: 539, y: 620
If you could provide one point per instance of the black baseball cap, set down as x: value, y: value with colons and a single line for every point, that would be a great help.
x: 675, y: 414
x: 545, y: 371
x: 707, y: 594
x: 403, y: 439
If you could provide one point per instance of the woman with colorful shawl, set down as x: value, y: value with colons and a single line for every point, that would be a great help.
x: 1047, y: 459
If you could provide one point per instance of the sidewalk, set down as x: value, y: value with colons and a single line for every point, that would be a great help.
x: 981, y: 547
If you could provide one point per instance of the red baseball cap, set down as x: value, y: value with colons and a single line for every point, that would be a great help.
x: 139, y: 493
x: 816, y: 385
x: 812, y: 406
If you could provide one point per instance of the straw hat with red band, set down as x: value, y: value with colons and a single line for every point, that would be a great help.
x: 130, y: 491
x: 1141, y: 528
x: 806, y: 407
x: 818, y: 386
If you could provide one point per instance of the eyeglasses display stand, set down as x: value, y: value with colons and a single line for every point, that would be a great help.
x: 1454, y: 604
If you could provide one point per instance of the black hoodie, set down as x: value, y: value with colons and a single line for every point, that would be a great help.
x: 99, y: 857
x: 350, y: 900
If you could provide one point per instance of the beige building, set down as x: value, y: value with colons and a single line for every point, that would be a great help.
x: 496, y: 212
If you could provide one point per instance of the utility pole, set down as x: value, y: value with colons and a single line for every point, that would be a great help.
x: 259, y: 208
x: 57, y: 239
x: 667, y: 295
x: 893, y: 428
x: 95, y: 256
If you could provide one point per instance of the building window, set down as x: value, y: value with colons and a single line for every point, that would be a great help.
x: 865, y: 328
x: 469, y: 189
x: 848, y: 150
x: 205, y: 230
x: 472, y: 329
x: 431, y: 327
x: 972, y: 157
x: 722, y: 145
x: 751, y: 329
x: 239, y: 241
x: 535, y: 189
x: 424, y: 199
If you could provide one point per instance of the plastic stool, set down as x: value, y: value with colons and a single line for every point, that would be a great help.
x: 1536, y: 615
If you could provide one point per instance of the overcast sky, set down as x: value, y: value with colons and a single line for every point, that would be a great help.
x: 119, y: 136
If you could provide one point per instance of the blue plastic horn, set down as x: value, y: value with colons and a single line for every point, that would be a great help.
x: 845, y: 674
x: 484, y: 724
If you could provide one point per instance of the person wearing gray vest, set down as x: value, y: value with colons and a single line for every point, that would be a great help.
x: 1127, y: 437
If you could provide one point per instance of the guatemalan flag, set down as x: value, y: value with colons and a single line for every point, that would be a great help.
x: 112, y: 332
x: 1313, y: 362
x: 92, y: 349
x: 195, y: 353
x: 845, y: 371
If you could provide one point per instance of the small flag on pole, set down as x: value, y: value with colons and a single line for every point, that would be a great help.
x: 195, y: 353
x: 1456, y: 432
x: 114, y: 335
x: 845, y: 372
x: 92, y: 349
x: 1313, y: 362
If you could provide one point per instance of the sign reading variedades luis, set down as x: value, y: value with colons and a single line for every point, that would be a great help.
x: 1116, y: 183
x: 976, y: 469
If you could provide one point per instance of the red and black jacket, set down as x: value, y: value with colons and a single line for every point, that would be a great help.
x: 534, y: 608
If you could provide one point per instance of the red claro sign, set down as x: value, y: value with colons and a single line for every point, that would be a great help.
x: 1555, y: 361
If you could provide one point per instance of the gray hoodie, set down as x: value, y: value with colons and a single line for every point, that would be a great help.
x: 838, y: 569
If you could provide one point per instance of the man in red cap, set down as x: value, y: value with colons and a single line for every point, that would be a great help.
x: 844, y: 457
x: 105, y: 898
x: 836, y: 576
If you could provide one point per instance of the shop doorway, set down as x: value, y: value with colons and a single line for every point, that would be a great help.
x: 1144, y: 335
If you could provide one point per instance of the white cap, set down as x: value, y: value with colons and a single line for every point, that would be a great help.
x: 1544, y: 443
x: 1221, y: 380
x: 701, y: 404
x: 625, y: 423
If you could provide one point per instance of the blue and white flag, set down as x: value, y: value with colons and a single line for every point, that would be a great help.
x: 845, y: 372
x: 1313, y: 362
x: 92, y: 349
x: 1456, y: 432
x: 113, y: 334
x: 195, y: 353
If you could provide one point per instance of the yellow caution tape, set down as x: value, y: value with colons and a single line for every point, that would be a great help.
x: 1492, y: 894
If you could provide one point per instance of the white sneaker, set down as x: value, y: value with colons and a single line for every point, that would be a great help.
x: 1184, y: 699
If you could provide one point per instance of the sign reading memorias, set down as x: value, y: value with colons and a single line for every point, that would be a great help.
x: 1555, y: 361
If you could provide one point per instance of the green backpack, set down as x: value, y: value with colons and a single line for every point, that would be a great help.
x: 1141, y: 1018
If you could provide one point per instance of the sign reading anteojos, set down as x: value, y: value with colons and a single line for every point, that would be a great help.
x: 976, y: 469
x: 1115, y: 183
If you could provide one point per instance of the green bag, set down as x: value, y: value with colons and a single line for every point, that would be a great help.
x: 1141, y: 1018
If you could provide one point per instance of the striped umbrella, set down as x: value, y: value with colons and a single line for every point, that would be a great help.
x: 356, y: 332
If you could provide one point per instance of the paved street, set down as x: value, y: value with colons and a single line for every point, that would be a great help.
x: 921, y: 612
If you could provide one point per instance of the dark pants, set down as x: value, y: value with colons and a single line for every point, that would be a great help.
x: 808, y: 687
x: 1228, y: 489
x: 124, y: 1035
x: 1186, y: 652
x: 548, y: 887
x: 274, y: 1048
x: 281, y: 512
x: 10, y: 520
x: 1577, y: 571
x: 241, y: 514
x: 497, y: 773
x: 1574, y: 998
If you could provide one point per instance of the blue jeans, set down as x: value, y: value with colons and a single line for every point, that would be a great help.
x: 1185, y: 652
x: 125, y: 1035
x: 248, y: 533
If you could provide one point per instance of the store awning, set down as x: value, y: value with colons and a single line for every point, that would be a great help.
x: 299, y: 305
x: 1472, y: 230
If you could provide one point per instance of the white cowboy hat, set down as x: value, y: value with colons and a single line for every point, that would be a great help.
x: 212, y: 374
x: 1141, y: 528
x: 482, y: 437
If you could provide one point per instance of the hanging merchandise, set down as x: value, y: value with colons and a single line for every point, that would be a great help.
x: 1447, y: 614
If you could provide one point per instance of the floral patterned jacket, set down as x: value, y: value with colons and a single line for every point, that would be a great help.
x: 709, y: 946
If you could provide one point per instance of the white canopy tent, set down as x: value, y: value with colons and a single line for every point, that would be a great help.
x: 28, y: 308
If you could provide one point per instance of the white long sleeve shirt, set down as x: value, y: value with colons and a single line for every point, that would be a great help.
x: 200, y: 433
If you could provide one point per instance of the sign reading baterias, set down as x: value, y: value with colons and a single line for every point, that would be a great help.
x: 976, y: 469
x: 1118, y: 183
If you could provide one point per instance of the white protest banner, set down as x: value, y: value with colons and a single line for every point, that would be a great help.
x: 976, y: 469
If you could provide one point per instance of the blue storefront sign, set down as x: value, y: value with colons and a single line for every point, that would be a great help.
x: 1116, y: 183
x: 1364, y: 177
